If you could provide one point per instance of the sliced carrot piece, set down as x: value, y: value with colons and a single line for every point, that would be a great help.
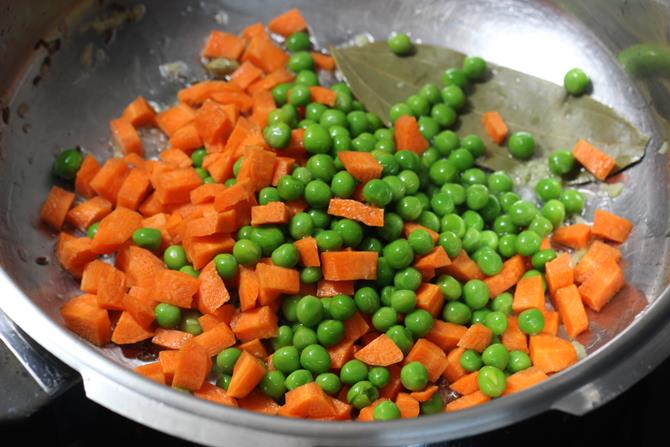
x: 361, y: 165
x: 323, y: 61
x: 559, y: 273
x: 257, y: 323
x: 87, y: 213
x: 215, y: 394
x: 125, y: 136
x: 177, y: 288
x: 435, y: 259
x: 152, y: 371
x: 332, y: 288
x: 260, y: 403
x: 254, y: 347
x: 56, y: 207
x: 471, y: 400
x: 574, y: 236
x: 140, y: 266
x: 466, y: 384
x: 171, y: 338
x: 571, y: 309
x: 477, y: 337
x: 174, y: 118
x: 550, y: 353
x: 88, y: 169
x: 355, y: 210
x: 512, y: 271
x: 128, y: 331
x: 114, y: 230
x: 526, y: 378
x: 309, y: 252
x: 381, y: 351
x: 408, y: 406
x: 247, y: 373
x: 424, y: 395
x: 74, y: 253
x: 610, y: 226
x: 323, y: 95
x: 551, y: 322
x: 263, y: 53
x: 429, y: 298
x: 258, y: 168
x: 593, y: 159
x: 598, y: 254
x: 495, y: 127
x: 308, y: 400
x: 463, y: 268
x: 528, y: 294
x: 513, y: 338
x: 108, y: 180
x: 222, y: 44
x: 288, y: 23
x: 278, y: 279
x: 272, y: 213
x: 139, y: 113
x: 341, y: 353
x: 192, y: 367
x: 600, y: 288
x: 430, y: 355
x: 245, y: 74
x: 216, y: 339
x: 355, y: 327
x: 407, y: 135
x: 83, y: 317
x: 349, y: 265
x: 446, y: 335
x: 111, y: 290
x: 174, y: 187
x: 212, y: 293
x: 134, y: 189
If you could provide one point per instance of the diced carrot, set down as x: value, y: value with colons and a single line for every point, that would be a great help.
x: 477, y: 337
x: 133, y: 189
x: 593, y: 159
x: 221, y: 44
x: 211, y: 223
x: 177, y: 288
x: 323, y: 95
x: 323, y: 61
x: 151, y: 206
x: 258, y: 167
x: 332, y: 288
x: 87, y: 213
x: 93, y: 273
x: 309, y: 252
x: 513, y: 338
x: 74, y: 253
x: 125, y: 136
x: 278, y: 76
x: 202, y: 249
x: 463, y: 268
x: 545, y: 244
x: 245, y: 74
x: 56, y: 207
x: 128, y: 331
x: 550, y: 353
x: 111, y: 290
x: 355, y: 327
x: 136, y: 161
x: 88, y: 169
x: 559, y: 273
x: 512, y: 271
x: 215, y: 394
x: 454, y: 370
x: 429, y: 298
x: 435, y: 259
x: 309, y: 401
x: 600, y: 288
x: 196, y: 94
x: 355, y: 210
x: 571, y: 309
x: 108, y: 180
x: 173, y: 119
x: 193, y: 365
x: 341, y: 353
x: 171, y: 338
x: 551, y: 322
x: 114, y: 230
x: 288, y: 23
x: 247, y: 373
x: 598, y: 254
x: 430, y: 355
x: 212, y: 293
x: 216, y: 339
x: 610, y: 226
x: 175, y: 158
x: 254, y: 347
x: 259, y: 402
x: 407, y: 135
x: 213, y: 124
x: 257, y: 323
x: 168, y: 361
x: 278, y: 279
x: 408, y: 406
x: 466, y: 384
x: 526, y: 378
x: 468, y: 401
x: 140, y: 306
x: 574, y: 236
x: 495, y: 127
x: 272, y: 213
x: 140, y: 266
x: 283, y: 166
x: 174, y: 187
x: 221, y: 168
x: 382, y: 351
x: 240, y: 100
x: 349, y: 265
x: 424, y: 395
x: 528, y: 294
x: 446, y: 335
x: 139, y: 113
x: 361, y: 165
x: 263, y: 53
x: 152, y: 371
x: 248, y: 288
x: 206, y: 193
x: 208, y: 322
x: 409, y: 227
x: 83, y: 317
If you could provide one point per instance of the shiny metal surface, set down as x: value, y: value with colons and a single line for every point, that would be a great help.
x: 72, y: 104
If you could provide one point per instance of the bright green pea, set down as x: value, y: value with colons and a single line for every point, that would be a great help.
x: 491, y: 381
x: 474, y: 144
x: 429, y: 127
x: 284, y: 337
x: 396, y: 185
x: 189, y: 323
x: 473, y: 219
x: 471, y: 360
x: 454, y: 223
x: 479, y: 316
x: 518, y: 361
x: 576, y: 81
x: 541, y: 225
x: 474, y: 67
x: 377, y: 192
x: 303, y: 337
x: 455, y: 76
x: 507, y: 199
x: 431, y: 93
x: 388, y: 162
x: 226, y: 359
x: 68, y: 163
x: 393, y: 225
x: 446, y: 141
x: 445, y: 116
x: 414, y: 376
x: 301, y: 225
x: 300, y: 60
x: 554, y: 211
x: 420, y: 241
x: 223, y: 381
x: 476, y: 294
x: 548, y: 188
x: 167, y: 316
x: 277, y: 135
x: 476, y: 196
x: 521, y: 145
x: 367, y: 300
x: 457, y: 312
x: 329, y: 240
x: 298, y: 41
x: 353, y: 372
x: 503, y: 225
x: 384, y: 318
x: 350, y: 231
x: 403, y: 300
x: 362, y: 394
x: 450, y: 287
x: 342, y: 307
x: 400, y: 44
x: 453, y: 96
x: 322, y: 167
x: 318, y: 194
x: 286, y: 255
x: 499, y: 182
x: 316, y: 138
x: 443, y: 171
x: 365, y: 142
x: 528, y: 243
x: 197, y: 156
x: 407, y: 279
x: 273, y: 384
x: 343, y: 185
x: 507, y: 245
x: 306, y: 78
x: 418, y: 105
x: 573, y: 201
x: 402, y: 338
x: 175, y: 257
x: 399, y: 254
x: 502, y: 304
x: 290, y: 188
x: 522, y: 213
x: 540, y: 259
x: 489, y: 261
x: 247, y: 252
x: 330, y: 332
x: 561, y: 162
x: 267, y: 195
x: 329, y: 383
x: 410, y: 180
x: 379, y: 376
x: 149, y: 238
x: 434, y: 405
x: 315, y: 358
x: 298, y: 378
x: 496, y: 355
x: 531, y: 321
x: 309, y: 310
x: 419, y: 322
x: 398, y: 110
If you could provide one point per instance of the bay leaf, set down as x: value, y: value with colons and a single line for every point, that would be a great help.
x: 379, y: 79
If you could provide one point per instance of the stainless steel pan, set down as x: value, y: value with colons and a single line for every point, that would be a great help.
x: 62, y: 94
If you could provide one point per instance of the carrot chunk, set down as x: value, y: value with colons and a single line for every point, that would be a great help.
x: 512, y: 271
x: 470, y: 400
x: 361, y: 165
x: 114, y: 230
x: 288, y: 23
x: 550, y: 353
x: 139, y: 113
x: 257, y: 323
x: 192, y: 366
x: 349, y: 265
x: 477, y: 337
x: 574, y: 236
x: 272, y: 213
x: 56, y: 207
x: 221, y: 44
x: 593, y: 159
x: 446, y: 335
x: 125, y: 136
x: 610, y: 226
x: 381, y: 351
x: 309, y: 252
x: 528, y: 294
x: 526, y: 378
x: 83, y: 317
x: 559, y: 273
x: 600, y: 288
x: 88, y: 169
x: 355, y: 210
x: 247, y: 373
x: 407, y: 135
x: 571, y: 309
x: 495, y: 126
x: 430, y: 355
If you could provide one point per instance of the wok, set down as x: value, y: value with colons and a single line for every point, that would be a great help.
x: 61, y: 82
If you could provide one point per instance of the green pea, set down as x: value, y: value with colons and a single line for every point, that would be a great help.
x: 367, y: 300
x: 374, y: 122
x: 398, y: 110
x: 298, y: 378
x: 476, y: 196
x: 420, y: 241
x: 453, y: 223
x: 387, y: 160
x: 350, y: 231
x: 300, y: 60
x: 305, y: 78
x: 471, y: 361
x: 434, y: 405
x: 521, y: 145
x: 407, y: 279
x: 247, y: 252
x: 290, y: 188
x: 329, y: 383
x: 450, y: 287
x: 384, y: 318
x: 573, y: 201
x: 286, y: 255
x: 273, y: 384
x: 402, y: 338
x: 322, y: 167
x: 431, y: 93
x: 561, y: 162
x: 418, y: 105
x: 189, y: 323
x: 277, y: 135
x: 353, y: 372
x: 409, y: 207
x: 503, y: 225
x: 67, y: 164
x: 149, y: 238
x: 479, y: 316
x: 280, y: 94
x: 502, y: 304
x: 377, y: 192
x: 315, y: 358
x: 343, y: 185
x: 167, y: 316
x: 496, y: 355
x: 457, y: 312
x: 399, y: 254
x: 300, y: 225
x: 403, y: 301
x: 289, y: 308
x: 309, y: 310
x: 429, y: 127
x: 316, y: 138
x: 472, y: 240
x: 362, y: 394
x: 197, y: 156
x: 400, y: 44
x: 446, y: 141
x: 540, y: 259
x: 522, y: 213
x: 419, y: 322
x: 365, y: 142
x: 454, y: 97
x: 385, y: 273
x: 303, y: 337
x: 410, y: 180
x: 284, y: 337
x: 518, y: 361
x: 318, y: 194
x: 342, y: 307
x: 379, y: 376
x: 499, y: 182
x: 301, y: 173
x: 476, y: 294
x: 474, y: 67
x: 507, y: 199
x: 548, y: 188
x: 489, y: 261
x: 267, y: 195
x: 576, y: 81
x: 531, y: 321
x: 189, y: 270
x: 175, y: 257
x: 507, y: 245
x: 386, y: 411
x: 445, y: 116
x: 298, y: 41
x: 474, y: 144
x: 267, y: 238
x: 414, y: 376
x: 541, y: 225
x: 554, y: 211
x: 455, y: 76
x: 330, y: 332
x: 329, y: 240
x: 443, y: 171
x: 223, y: 381
x: 226, y: 359
x: 528, y: 243
x: 491, y: 381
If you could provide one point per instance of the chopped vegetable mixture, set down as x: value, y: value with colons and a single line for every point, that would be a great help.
x: 286, y: 253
